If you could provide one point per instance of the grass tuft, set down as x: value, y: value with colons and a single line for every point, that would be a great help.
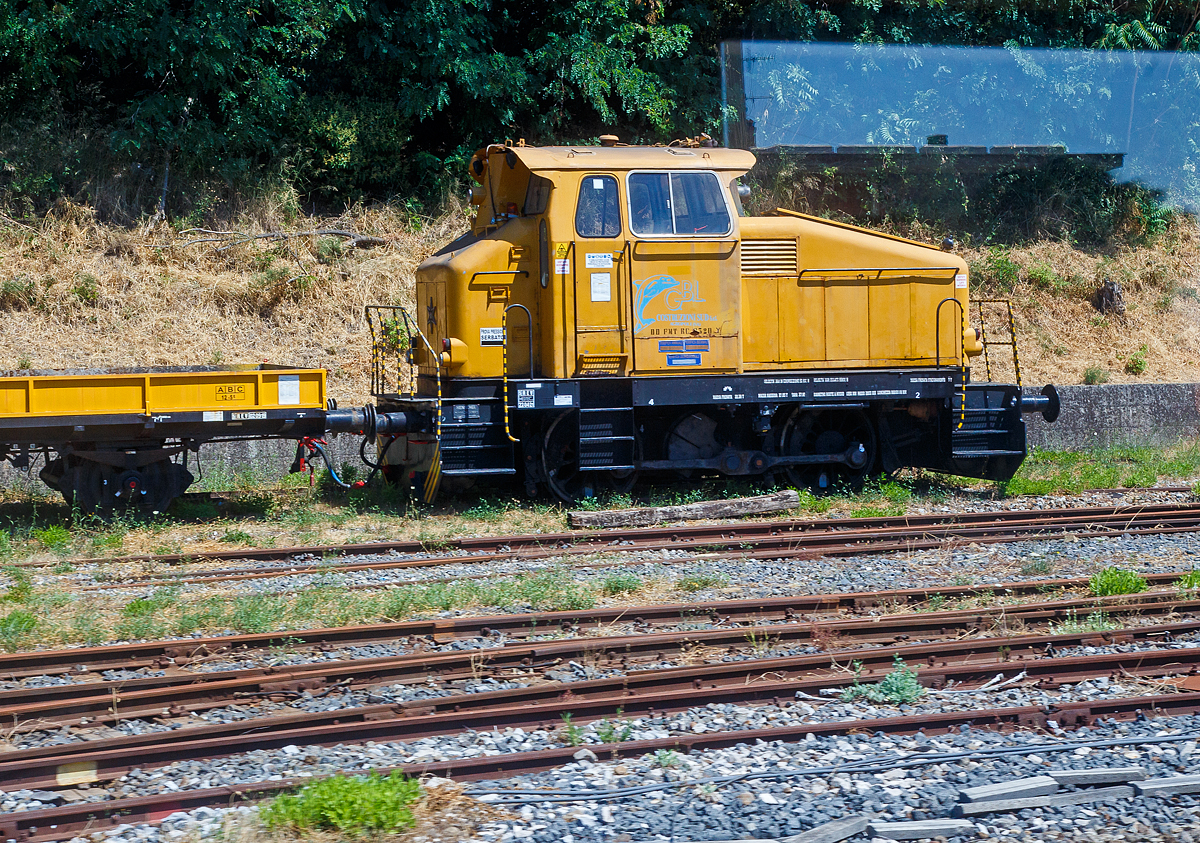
x: 616, y: 584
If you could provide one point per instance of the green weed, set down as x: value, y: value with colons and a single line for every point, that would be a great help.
x: 1190, y: 580
x: 1113, y: 581
x: 53, y: 537
x: 236, y: 537
x: 353, y: 804
x: 1096, y: 621
x: 1093, y: 375
x: 692, y: 583
x: 667, y: 758
x: 899, y: 686
x: 617, y: 731
x: 16, y: 627
x: 1135, y: 364
x: 616, y: 584
x: 570, y: 733
x: 1037, y: 568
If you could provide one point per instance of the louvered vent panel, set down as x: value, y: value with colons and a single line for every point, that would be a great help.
x: 768, y: 257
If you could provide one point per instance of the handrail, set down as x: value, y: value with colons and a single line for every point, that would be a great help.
x: 524, y: 272
x: 379, y: 370
x: 504, y: 328
x: 1012, y: 337
x: 962, y: 329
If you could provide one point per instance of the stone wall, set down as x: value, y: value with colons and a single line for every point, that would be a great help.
x: 1105, y: 415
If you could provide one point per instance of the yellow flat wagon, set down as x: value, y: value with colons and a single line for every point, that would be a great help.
x: 113, y: 437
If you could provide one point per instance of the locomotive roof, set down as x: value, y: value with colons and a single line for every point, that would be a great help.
x: 632, y: 158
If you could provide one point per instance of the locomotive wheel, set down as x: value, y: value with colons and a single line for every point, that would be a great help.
x: 560, y: 460
x: 692, y: 437
x: 810, y: 433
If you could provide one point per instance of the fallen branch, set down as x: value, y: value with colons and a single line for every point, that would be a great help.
x: 235, y: 238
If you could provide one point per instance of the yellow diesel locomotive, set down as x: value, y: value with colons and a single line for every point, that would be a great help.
x: 613, y: 312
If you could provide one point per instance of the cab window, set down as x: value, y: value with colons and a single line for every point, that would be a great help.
x: 598, y: 213
x: 677, y: 203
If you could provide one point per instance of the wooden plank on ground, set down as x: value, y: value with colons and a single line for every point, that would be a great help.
x: 645, y: 516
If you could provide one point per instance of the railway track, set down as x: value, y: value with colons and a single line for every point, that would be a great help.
x: 66, y: 821
x: 631, y: 693
x: 91, y: 661
x: 770, y: 651
x: 186, y: 691
x: 791, y: 539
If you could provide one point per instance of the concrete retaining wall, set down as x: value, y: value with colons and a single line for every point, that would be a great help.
x: 1105, y: 415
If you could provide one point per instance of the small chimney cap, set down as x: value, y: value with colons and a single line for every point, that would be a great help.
x: 608, y: 140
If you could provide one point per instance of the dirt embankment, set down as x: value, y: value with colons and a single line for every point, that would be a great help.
x: 77, y: 293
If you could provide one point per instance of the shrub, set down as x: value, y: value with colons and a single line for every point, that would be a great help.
x: 1112, y: 581
x: 1093, y: 375
x: 347, y: 803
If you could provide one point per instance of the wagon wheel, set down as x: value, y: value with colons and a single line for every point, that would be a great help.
x: 815, y: 432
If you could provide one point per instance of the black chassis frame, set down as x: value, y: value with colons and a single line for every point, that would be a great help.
x: 885, y: 395
x: 132, y: 440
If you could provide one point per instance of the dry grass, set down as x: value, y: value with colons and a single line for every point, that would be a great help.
x: 110, y: 296
x: 1061, y: 334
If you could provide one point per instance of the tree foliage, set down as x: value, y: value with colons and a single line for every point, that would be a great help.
x: 350, y: 98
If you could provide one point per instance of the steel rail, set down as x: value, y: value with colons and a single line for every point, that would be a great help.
x: 176, y: 653
x: 833, y: 542
x: 639, y: 693
x: 149, y: 697
x: 66, y: 821
x: 586, y: 541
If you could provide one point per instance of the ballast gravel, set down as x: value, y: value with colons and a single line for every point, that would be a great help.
x: 765, y: 790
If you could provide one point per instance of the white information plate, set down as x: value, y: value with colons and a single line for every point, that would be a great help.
x: 491, y: 336
x: 214, y: 415
x: 960, y: 282
x: 601, y: 286
x: 525, y: 400
x: 562, y: 266
x: 289, y: 389
x: 598, y: 260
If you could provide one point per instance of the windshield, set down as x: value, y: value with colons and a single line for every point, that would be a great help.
x: 677, y: 204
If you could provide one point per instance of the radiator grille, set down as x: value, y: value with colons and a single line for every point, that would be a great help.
x: 768, y: 257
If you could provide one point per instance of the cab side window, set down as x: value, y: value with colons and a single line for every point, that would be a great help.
x: 598, y: 213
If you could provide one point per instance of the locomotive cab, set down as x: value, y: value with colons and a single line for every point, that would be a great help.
x: 613, y: 312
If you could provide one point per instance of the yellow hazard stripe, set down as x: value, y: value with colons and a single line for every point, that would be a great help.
x: 433, y: 477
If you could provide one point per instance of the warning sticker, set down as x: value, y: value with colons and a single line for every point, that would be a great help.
x: 960, y: 281
x: 562, y: 266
